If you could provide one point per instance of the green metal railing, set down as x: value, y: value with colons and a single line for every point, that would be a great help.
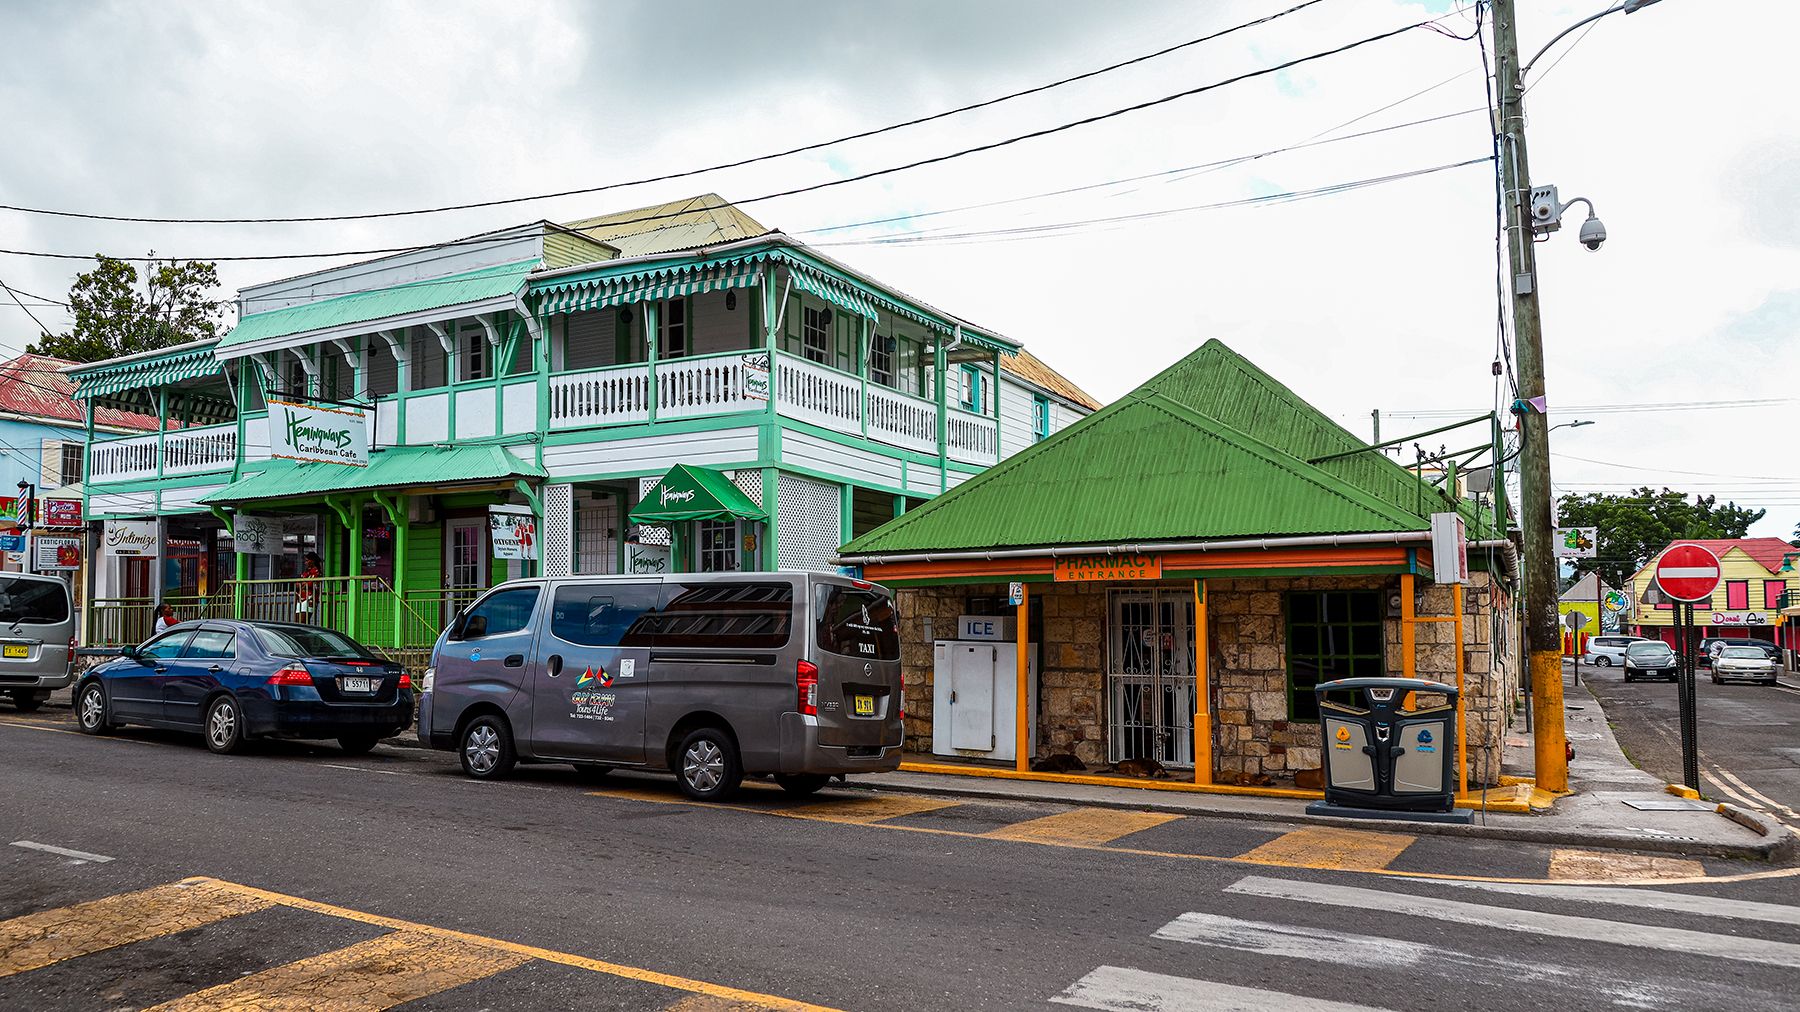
x: 367, y: 608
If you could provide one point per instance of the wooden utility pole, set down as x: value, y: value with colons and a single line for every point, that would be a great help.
x: 1543, y: 639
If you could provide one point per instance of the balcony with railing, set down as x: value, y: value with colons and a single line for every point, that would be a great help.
x: 743, y: 382
x: 174, y: 453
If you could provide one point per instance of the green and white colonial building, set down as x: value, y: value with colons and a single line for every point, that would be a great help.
x: 673, y: 387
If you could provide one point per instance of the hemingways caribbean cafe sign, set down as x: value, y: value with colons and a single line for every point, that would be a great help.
x: 319, y: 434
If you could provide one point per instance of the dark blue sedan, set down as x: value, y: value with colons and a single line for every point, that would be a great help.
x: 237, y: 680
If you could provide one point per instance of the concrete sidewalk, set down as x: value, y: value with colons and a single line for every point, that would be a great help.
x: 1598, y: 814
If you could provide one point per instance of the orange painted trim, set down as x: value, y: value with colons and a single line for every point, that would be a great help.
x: 1044, y: 565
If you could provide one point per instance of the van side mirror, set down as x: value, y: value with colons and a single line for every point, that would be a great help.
x: 473, y: 627
x: 129, y: 650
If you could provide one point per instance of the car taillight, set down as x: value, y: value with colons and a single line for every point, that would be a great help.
x: 405, y: 680
x: 806, y: 678
x: 293, y: 674
x: 903, y: 702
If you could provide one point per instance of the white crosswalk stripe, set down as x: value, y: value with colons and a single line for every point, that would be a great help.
x: 1534, y: 922
x: 1131, y: 989
x: 1646, y: 899
x: 1120, y: 989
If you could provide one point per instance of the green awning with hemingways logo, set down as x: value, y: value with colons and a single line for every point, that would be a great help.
x: 146, y: 373
x: 690, y: 492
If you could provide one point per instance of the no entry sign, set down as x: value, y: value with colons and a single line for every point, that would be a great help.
x: 1687, y: 573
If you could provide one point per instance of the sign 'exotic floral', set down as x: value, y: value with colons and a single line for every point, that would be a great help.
x: 313, y: 432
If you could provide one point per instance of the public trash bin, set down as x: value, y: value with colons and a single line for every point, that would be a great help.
x: 1383, y: 755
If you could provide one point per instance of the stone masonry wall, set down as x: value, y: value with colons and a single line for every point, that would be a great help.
x: 1248, y: 665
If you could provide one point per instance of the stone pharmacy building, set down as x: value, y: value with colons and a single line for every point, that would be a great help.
x: 1178, y: 570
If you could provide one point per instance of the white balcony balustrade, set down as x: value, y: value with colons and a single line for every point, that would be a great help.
x: 182, y: 451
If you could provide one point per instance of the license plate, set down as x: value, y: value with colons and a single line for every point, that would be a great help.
x: 17, y: 650
x: 863, y: 706
x: 354, y: 684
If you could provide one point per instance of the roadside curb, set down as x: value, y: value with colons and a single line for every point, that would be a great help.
x: 1777, y: 843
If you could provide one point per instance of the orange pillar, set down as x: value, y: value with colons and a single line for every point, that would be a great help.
x: 1462, y: 738
x: 1203, y: 764
x: 1022, y: 750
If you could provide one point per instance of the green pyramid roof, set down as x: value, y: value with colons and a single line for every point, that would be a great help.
x: 1212, y: 447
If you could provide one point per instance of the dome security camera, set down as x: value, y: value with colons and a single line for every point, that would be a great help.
x: 1593, y: 234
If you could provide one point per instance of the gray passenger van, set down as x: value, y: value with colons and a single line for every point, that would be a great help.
x: 713, y: 676
x: 37, y: 638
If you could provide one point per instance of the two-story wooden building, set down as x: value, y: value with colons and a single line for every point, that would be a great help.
x: 593, y: 376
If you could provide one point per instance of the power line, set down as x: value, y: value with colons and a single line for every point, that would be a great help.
x: 1059, y: 228
x: 1630, y: 408
x: 738, y: 163
x: 1666, y: 470
x: 795, y: 191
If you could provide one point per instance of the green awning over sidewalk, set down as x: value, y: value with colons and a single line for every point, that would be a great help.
x: 396, y: 468
x: 689, y: 492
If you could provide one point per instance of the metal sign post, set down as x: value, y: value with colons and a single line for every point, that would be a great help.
x: 1686, y: 574
x: 1690, y: 745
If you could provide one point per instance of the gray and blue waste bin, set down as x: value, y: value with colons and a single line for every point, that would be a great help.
x: 1381, y: 754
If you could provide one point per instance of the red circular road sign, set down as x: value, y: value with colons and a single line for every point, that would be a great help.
x: 1687, y: 572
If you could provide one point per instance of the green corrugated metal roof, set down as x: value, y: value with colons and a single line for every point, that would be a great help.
x: 155, y: 371
x: 361, y: 307
x: 399, y: 467
x: 1211, y: 448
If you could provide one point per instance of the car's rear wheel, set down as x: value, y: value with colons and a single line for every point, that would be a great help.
x: 1603, y: 662
x: 90, y: 709
x: 802, y: 783
x: 357, y: 744
x: 27, y: 701
x: 707, y: 765
x: 487, y: 748
x: 224, y: 726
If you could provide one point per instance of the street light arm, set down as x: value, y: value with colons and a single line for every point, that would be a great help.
x: 1628, y: 6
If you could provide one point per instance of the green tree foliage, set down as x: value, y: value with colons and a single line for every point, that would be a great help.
x: 1635, y: 526
x: 117, y: 312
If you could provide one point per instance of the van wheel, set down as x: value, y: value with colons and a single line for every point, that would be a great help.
x: 224, y: 726
x: 707, y: 765
x: 1603, y: 662
x: 90, y: 710
x: 802, y: 783
x: 487, y: 748
x: 27, y: 702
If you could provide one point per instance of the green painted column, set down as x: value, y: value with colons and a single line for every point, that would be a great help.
x: 355, y: 557
x: 650, y: 317
x: 939, y: 361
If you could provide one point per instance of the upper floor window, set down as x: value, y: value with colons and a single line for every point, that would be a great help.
x: 1040, y: 417
x: 815, y: 335
x: 974, y: 389
x: 476, y: 361
x: 70, y: 471
x: 673, y: 339
x: 881, y: 360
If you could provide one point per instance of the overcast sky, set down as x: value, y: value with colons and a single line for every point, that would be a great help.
x: 1677, y: 121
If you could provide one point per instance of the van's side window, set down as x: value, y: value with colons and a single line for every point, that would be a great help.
x: 726, y: 614
x: 857, y: 623
x: 605, y: 615
x: 503, y: 611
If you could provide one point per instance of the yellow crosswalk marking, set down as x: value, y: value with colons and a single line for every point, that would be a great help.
x: 865, y: 811
x: 51, y: 936
x: 1603, y: 866
x: 1325, y: 847
x: 1089, y: 826
x: 366, y: 977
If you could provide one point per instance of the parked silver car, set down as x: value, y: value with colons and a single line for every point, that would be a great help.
x: 1607, y: 651
x: 37, y: 638
x: 712, y: 676
x: 1747, y: 663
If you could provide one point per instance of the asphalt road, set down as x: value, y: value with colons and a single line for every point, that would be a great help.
x: 294, y: 877
x: 1749, y: 736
